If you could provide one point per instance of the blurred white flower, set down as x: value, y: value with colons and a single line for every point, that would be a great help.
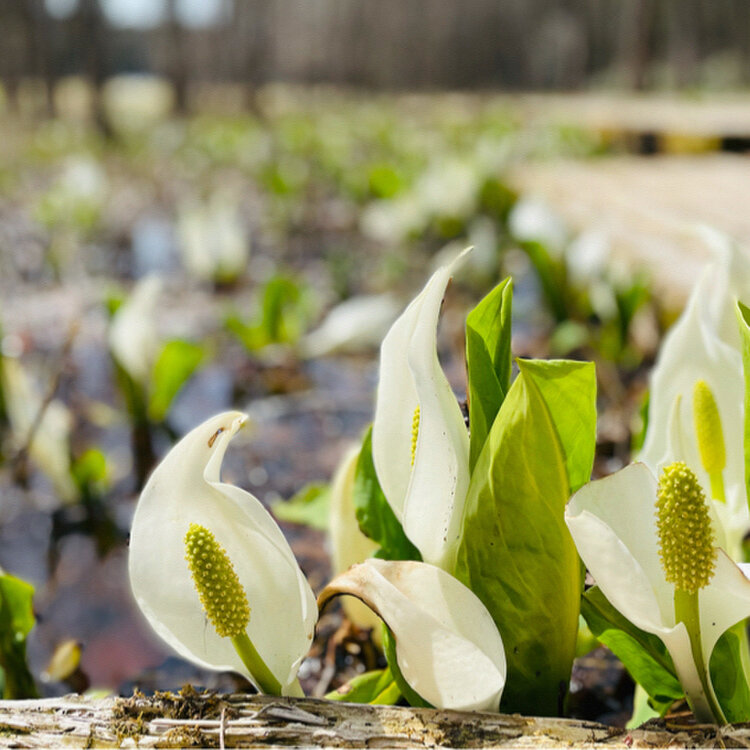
x: 533, y: 220
x: 356, y: 324
x: 50, y: 447
x: 213, y: 240
x: 133, y: 339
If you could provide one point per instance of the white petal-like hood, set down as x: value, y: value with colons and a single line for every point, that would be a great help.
x: 613, y: 524
x: 447, y: 646
x: 132, y: 336
x: 428, y: 496
x: 185, y: 488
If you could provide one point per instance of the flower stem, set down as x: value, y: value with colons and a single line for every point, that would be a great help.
x: 267, y: 683
x: 717, y: 486
x: 702, y: 699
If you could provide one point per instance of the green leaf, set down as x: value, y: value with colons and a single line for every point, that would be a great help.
x: 743, y: 313
x: 375, y: 688
x: 89, y: 470
x: 488, y: 361
x: 516, y: 553
x: 251, y: 337
x: 177, y: 361
x: 727, y: 675
x: 569, y: 392
x: 280, y: 319
x: 643, y: 654
x: 310, y: 507
x: 16, y: 621
x: 375, y: 517
x: 389, y: 648
x: 552, y: 276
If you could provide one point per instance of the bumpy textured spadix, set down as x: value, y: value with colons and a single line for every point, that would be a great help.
x: 222, y: 596
x: 186, y: 489
x: 708, y: 430
x: 686, y: 541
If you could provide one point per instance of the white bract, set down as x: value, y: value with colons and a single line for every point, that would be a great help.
x: 447, y: 646
x: 613, y: 524
x: 133, y: 339
x: 186, y: 489
x: 704, y: 346
x: 420, y: 445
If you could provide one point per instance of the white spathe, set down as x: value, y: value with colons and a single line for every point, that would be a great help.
x: 133, y: 339
x: 613, y: 524
x: 186, y: 488
x: 704, y: 345
x: 427, y: 495
x: 447, y: 646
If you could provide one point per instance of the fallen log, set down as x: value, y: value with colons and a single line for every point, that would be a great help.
x: 192, y: 719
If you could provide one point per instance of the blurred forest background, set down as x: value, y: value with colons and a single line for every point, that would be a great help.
x: 418, y: 44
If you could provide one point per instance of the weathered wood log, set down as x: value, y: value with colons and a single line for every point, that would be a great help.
x: 191, y: 719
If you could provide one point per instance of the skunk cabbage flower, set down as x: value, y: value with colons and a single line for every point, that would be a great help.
x: 213, y: 239
x: 420, y: 445
x: 260, y: 609
x: 697, y: 394
x: 347, y: 542
x: 132, y: 336
x: 662, y: 570
x: 447, y: 646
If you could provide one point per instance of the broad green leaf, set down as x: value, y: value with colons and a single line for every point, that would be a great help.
x: 16, y: 621
x: 488, y: 361
x: 375, y: 517
x: 389, y: 648
x: 727, y: 675
x: 177, y: 361
x: 516, y: 553
x: 643, y: 654
x: 743, y: 313
x: 376, y: 688
x: 310, y: 507
x: 569, y: 392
